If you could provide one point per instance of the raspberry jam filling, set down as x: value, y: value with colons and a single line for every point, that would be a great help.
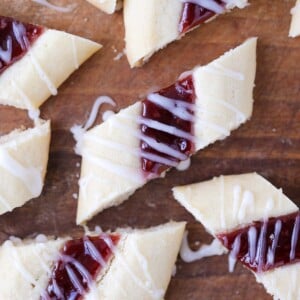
x: 78, y: 266
x: 15, y: 40
x: 265, y: 245
x: 167, y: 127
x: 195, y: 14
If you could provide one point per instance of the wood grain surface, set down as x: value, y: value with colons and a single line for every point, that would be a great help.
x: 269, y: 143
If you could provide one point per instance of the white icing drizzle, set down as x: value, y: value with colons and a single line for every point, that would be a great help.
x: 16, y: 260
x: 33, y: 112
x: 151, y: 142
x: 68, y: 261
x: 134, y: 151
x: 107, y: 114
x: 188, y: 255
x: 159, y: 146
x: 19, y: 31
x: 78, y: 131
x: 159, y: 293
x: 208, y: 4
x: 66, y: 9
x: 218, y: 69
x: 74, y: 51
x: 163, y: 148
x: 123, y: 171
x: 166, y: 128
x: 268, y: 208
x: 31, y: 177
x: 95, y: 109
x: 44, y: 77
x: 74, y: 279
x: 81, y: 269
x: 184, y: 165
x: 157, y: 158
x: 232, y: 257
x: 261, y: 246
x: 6, y: 55
x: 246, y: 205
x: 57, y: 290
x: 5, y: 203
x: 185, y: 74
x: 96, y: 255
x: 156, y: 294
x: 240, y: 115
x: 272, y: 250
x: 177, y: 107
x: 257, y: 248
x: 252, y: 238
x: 242, y: 203
x: 295, y: 235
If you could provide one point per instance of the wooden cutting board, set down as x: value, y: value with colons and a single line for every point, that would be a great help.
x: 269, y: 143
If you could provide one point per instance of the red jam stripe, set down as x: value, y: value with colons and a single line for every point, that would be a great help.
x: 79, y: 264
x: 195, y: 14
x: 15, y: 40
x: 167, y: 126
x: 266, y: 245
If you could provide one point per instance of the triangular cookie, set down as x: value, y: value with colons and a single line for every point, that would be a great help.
x: 256, y: 222
x: 128, y: 264
x: 144, y: 140
x: 35, y: 61
x: 23, y: 165
x: 152, y: 24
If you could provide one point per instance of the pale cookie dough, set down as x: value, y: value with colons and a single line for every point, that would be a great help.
x: 111, y: 166
x: 108, y: 6
x: 226, y: 203
x: 52, y: 58
x: 152, y: 24
x: 23, y: 165
x: 140, y: 268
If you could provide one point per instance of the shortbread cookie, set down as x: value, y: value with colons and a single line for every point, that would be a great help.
x: 23, y: 165
x: 152, y: 24
x: 295, y: 24
x: 108, y: 6
x: 35, y: 61
x: 144, y: 140
x: 256, y: 222
x: 127, y: 265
